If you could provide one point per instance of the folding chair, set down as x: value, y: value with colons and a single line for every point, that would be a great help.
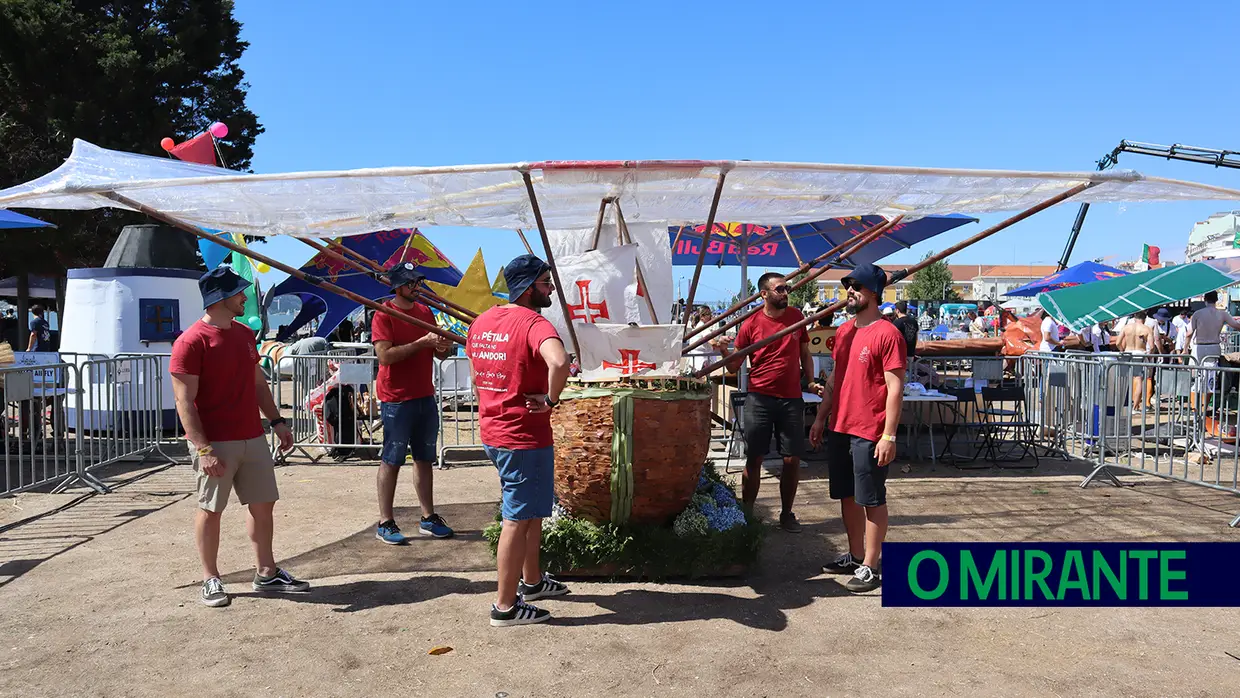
x: 736, y: 440
x: 1008, y: 426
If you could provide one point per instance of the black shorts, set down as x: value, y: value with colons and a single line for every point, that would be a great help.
x: 853, y: 470
x: 783, y: 417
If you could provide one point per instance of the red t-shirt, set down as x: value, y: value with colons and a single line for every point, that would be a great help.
x: 223, y: 360
x: 775, y: 369
x: 409, y: 379
x: 503, y: 348
x: 861, y: 357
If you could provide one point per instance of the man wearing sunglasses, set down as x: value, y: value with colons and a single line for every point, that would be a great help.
x: 864, y: 412
x: 774, y: 404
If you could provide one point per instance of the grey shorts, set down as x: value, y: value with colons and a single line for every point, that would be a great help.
x: 248, y: 468
x: 853, y: 469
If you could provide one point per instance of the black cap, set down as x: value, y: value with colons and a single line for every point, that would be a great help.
x: 220, y: 283
x: 403, y: 273
x: 869, y: 276
x: 521, y: 273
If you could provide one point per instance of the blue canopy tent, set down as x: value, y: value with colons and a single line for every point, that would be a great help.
x: 386, y: 247
x: 1075, y: 275
x: 769, y: 246
x: 9, y: 220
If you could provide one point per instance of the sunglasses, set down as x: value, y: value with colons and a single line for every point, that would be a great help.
x: 782, y: 288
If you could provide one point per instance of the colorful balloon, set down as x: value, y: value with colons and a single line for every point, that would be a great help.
x: 218, y: 130
x: 254, y: 323
x: 168, y: 144
x: 263, y: 268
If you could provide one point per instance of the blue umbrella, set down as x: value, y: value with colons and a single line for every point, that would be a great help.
x: 1082, y: 273
x: 769, y: 247
x: 9, y: 219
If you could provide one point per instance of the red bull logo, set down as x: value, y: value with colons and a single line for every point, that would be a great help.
x: 733, y: 229
x: 420, y: 253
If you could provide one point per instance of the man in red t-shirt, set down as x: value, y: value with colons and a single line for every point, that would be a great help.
x: 219, y: 391
x: 519, y: 368
x: 863, y: 410
x: 774, y: 403
x: 407, y: 390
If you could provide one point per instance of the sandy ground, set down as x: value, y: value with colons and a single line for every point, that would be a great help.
x: 99, y: 599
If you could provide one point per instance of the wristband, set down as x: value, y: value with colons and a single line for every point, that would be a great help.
x: 550, y: 402
x: 277, y: 422
x: 205, y: 450
x: 889, y: 437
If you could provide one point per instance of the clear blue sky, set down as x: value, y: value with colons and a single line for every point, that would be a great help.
x: 1038, y: 86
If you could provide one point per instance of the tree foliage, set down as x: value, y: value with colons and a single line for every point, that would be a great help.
x: 123, y: 75
x: 933, y: 283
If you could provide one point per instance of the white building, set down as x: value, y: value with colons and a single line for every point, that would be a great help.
x: 1214, y: 237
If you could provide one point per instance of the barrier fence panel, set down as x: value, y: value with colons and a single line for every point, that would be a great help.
x: 1182, y: 427
x: 458, y: 407
x: 119, y: 412
x: 335, y: 411
x: 38, y: 449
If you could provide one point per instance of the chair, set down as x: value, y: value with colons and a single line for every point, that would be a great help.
x: 962, y: 423
x: 1005, y: 425
x: 736, y: 441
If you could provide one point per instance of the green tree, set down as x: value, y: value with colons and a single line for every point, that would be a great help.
x: 121, y: 74
x: 933, y: 283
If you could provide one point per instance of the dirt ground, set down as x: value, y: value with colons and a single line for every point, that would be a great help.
x: 99, y: 598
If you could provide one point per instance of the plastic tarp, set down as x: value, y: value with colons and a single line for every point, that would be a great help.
x: 386, y: 247
x: 770, y: 247
x: 335, y: 203
x: 1083, y: 273
x: 1079, y: 307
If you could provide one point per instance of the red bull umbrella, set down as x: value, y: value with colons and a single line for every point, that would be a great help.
x: 1083, y: 273
x: 772, y: 247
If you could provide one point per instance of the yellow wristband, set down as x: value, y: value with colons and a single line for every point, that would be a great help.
x: 889, y: 437
x: 206, y: 450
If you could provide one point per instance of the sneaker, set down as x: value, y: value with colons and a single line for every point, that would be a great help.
x: 844, y: 564
x: 863, y: 580
x: 389, y: 532
x: 788, y: 522
x: 521, y: 613
x: 281, y: 582
x: 213, y: 593
x: 544, y: 588
x: 435, y: 526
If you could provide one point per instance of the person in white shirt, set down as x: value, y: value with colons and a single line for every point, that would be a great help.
x: 1096, y: 336
x: 1050, y: 333
x: 1179, y: 326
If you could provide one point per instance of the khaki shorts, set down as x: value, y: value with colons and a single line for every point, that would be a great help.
x: 248, y: 468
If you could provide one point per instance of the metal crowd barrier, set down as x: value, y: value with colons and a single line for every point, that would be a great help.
x: 458, y: 408
x: 63, y: 420
x: 334, y: 407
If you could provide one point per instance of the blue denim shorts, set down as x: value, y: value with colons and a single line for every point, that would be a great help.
x: 527, y: 479
x: 410, y: 427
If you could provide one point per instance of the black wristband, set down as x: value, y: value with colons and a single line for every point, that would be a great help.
x: 550, y: 403
x: 277, y: 422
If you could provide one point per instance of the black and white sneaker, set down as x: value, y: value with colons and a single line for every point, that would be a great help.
x: 544, y: 588
x: 844, y: 564
x: 281, y: 582
x: 213, y: 593
x: 864, y: 579
x: 521, y: 613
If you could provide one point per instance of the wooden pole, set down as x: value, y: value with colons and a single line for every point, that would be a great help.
x: 598, y: 223
x: 799, y: 271
x: 275, y: 264
x: 792, y: 245
x: 896, y: 276
x: 866, y: 238
x: 626, y: 239
x: 555, y: 273
x: 710, y: 224
x: 422, y: 290
x: 521, y: 234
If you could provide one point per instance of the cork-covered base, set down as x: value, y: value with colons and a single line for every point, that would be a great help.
x: 670, y: 443
x: 583, y: 431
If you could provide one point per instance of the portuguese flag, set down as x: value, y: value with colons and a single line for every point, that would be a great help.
x: 1150, y: 256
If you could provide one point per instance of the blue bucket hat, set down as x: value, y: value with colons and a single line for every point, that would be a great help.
x: 403, y: 273
x: 220, y: 283
x: 869, y: 276
x: 521, y: 273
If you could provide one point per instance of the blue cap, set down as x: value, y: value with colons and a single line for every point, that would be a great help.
x: 220, y: 283
x: 521, y: 273
x: 1162, y: 314
x: 403, y: 273
x: 869, y: 276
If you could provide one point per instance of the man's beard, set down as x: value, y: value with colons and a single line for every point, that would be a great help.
x: 538, y: 299
x: 778, y: 303
x: 407, y: 295
x: 857, y: 303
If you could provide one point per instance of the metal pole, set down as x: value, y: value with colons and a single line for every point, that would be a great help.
x: 880, y: 227
x: 275, y: 264
x: 894, y: 277
x: 710, y: 224
x: 1072, y: 236
x: 555, y: 273
x: 744, y: 259
x: 866, y: 238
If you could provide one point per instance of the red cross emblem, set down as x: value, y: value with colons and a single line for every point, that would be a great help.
x: 585, y: 310
x: 629, y: 363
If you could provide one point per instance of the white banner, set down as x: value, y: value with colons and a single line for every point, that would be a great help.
x: 653, y: 250
x: 596, y: 288
x: 616, y: 351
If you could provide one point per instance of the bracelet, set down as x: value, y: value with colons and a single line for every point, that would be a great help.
x: 205, y: 450
x: 889, y: 437
x: 550, y: 403
x: 277, y: 422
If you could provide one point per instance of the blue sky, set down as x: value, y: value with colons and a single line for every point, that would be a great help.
x: 1038, y: 86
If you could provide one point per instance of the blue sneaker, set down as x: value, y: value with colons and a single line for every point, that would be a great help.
x: 434, y: 525
x: 389, y: 533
